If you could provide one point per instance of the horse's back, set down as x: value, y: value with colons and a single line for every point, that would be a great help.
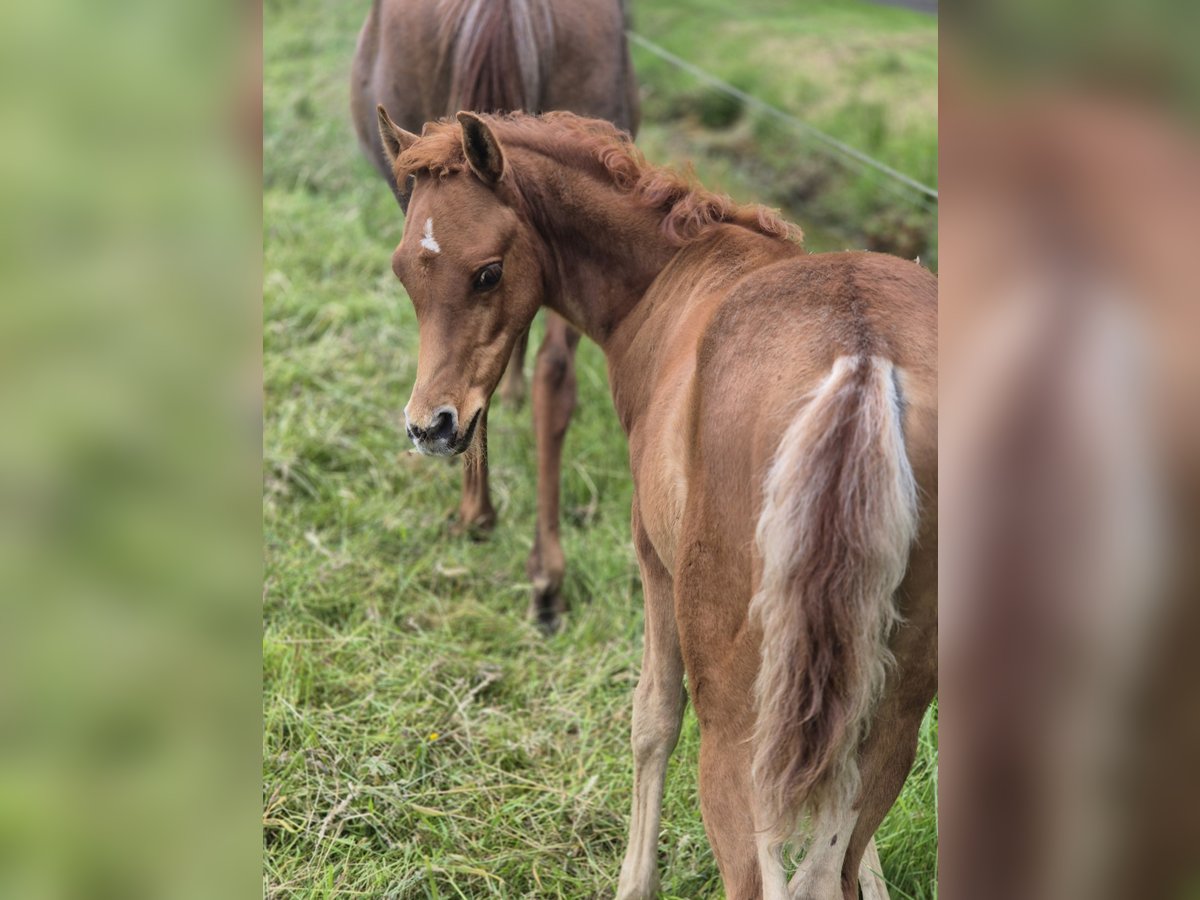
x: 778, y: 333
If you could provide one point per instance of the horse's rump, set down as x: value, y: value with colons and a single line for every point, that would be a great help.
x: 493, y: 52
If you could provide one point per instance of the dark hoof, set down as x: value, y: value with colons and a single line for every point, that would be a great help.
x: 478, y: 527
x: 546, y: 608
x: 548, y: 622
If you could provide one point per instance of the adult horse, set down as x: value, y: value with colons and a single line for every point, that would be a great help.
x: 424, y: 59
x: 781, y: 415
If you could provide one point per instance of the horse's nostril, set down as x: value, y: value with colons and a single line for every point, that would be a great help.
x: 442, y: 427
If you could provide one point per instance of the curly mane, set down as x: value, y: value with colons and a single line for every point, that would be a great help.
x: 688, y: 210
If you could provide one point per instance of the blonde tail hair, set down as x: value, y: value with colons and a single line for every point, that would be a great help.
x: 838, y: 519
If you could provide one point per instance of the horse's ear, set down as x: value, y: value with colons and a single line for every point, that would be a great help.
x: 481, y: 148
x: 395, y: 139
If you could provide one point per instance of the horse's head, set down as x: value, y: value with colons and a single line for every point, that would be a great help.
x: 472, y: 267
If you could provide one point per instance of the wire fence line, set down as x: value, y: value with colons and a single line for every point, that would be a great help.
x: 848, y: 153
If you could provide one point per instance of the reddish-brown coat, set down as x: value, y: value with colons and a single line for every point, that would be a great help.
x: 716, y: 328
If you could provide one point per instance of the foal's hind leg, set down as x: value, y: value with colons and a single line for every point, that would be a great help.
x: 819, y: 875
x: 720, y: 649
x: 887, y: 754
x: 886, y: 760
x: 475, y: 512
x: 657, y: 713
x: 833, y: 864
x: 827, y: 872
x: 750, y: 867
x: 553, y: 403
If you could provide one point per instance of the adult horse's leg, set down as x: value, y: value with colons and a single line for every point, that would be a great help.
x: 512, y: 386
x: 553, y: 403
x: 475, y: 512
x: 657, y: 712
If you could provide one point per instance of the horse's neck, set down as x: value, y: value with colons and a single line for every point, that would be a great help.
x: 606, y: 249
x: 663, y: 330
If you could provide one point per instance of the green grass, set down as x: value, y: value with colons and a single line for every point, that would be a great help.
x: 862, y: 73
x: 421, y: 739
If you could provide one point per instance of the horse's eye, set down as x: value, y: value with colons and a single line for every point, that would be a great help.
x: 487, y: 278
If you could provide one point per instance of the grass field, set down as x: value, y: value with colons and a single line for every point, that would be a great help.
x: 421, y: 738
x: 862, y: 73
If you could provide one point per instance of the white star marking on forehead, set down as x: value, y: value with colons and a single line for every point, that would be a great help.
x: 427, y: 241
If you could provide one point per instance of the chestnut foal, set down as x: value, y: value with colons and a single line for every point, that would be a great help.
x: 427, y: 58
x: 781, y: 415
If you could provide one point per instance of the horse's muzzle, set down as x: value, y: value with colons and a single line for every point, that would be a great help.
x: 440, y: 436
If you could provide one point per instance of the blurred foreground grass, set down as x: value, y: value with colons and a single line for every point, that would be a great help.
x: 129, y: 514
x: 421, y: 739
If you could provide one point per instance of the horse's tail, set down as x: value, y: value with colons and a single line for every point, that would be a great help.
x: 838, y: 519
x: 494, y: 51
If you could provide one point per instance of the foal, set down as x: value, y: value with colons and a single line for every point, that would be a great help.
x: 781, y: 415
x: 428, y: 58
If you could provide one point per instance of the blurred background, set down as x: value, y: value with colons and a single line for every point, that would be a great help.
x: 129, y: 480
x: 1070, y: 690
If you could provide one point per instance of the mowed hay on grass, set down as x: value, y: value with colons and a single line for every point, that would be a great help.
x: 421, y: 739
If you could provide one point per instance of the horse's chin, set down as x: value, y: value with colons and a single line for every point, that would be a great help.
x: 437, y: 450
x: 463, y: 444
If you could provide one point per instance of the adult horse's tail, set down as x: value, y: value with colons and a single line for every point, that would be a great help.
x: 492, y: 51
x: 839, y: 516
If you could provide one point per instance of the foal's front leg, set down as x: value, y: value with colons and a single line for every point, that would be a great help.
x: 657, y: 713
x: 553, y: 403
